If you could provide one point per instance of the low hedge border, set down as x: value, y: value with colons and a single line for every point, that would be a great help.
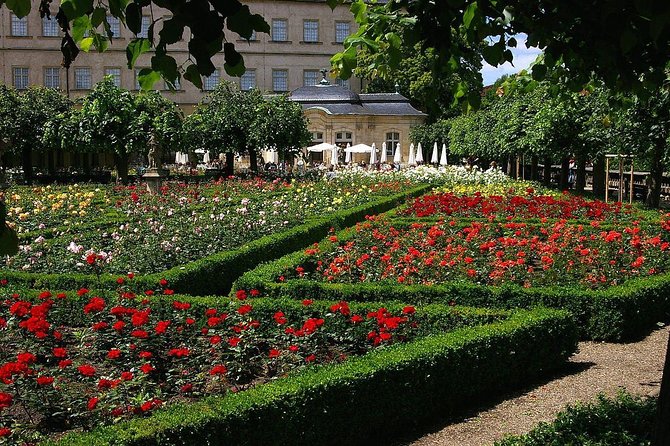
x: 624, y: 419
x: 617, y: 313
x: 415, y: 383
x: 216, y: 273
x: 431, y: 316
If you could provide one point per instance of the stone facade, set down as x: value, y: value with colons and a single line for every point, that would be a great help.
x: 307, y: 35
x: 340, y: 116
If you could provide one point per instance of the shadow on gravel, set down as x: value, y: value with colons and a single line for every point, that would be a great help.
x: 484, y: 404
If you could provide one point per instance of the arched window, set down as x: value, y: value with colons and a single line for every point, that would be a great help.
x: 343, y: 138
x: 392, y: 140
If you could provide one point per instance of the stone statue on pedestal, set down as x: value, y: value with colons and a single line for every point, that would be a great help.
x: 154, y: 153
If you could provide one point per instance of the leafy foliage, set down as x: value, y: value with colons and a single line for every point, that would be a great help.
x: 624, y: 419
x: 577, y: 40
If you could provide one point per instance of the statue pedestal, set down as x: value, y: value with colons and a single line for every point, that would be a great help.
x: 153, y: 178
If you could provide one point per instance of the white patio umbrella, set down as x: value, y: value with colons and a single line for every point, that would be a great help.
x: 322, y: 147
x: 373, y: 154
x: 359, y: 148
x: 412, y: 156
x: 177, y: 157
x: 397, y: 157
x: 383, y: 159
x: 205, y: 158
x: 347, y: 156
x: 334, y: 155
x: 419, y: 154
x: 434, y: 156
x: 443, y: 158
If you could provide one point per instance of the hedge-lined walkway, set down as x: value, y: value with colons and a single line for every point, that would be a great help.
x: 598, y: 367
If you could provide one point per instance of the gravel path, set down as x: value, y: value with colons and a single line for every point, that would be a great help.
x: 598, y: 367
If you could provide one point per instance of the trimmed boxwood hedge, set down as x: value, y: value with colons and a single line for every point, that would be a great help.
x: 616, y: 313
x: 364, y: 400
x: 216, y: 273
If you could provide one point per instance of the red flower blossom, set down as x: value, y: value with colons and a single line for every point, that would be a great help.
x: 45, y: 380
x: 44, y: 295
x: 113, y: 353
x: 86, y: 370
x: 218, y: 370
x: 92, y: 403
x: 163, y: 282
x: 59, y: 352
x: 5, y: 400
x: 5, y: 432
x: 147, y: 368
x: 241, y: 294
x: 233, y: 341
x: 274, y: 353
x: 244, y: 309
x: 26, y: 358
x: 95, y: 305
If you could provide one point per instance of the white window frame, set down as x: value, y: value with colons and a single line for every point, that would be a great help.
x: 144, y: 28
x: 210, y: 82
x: 20, y: 77
x: 392, y: 142
x: 79, y: 81
x: 310, y: 30
x: 249, y: 75
x: 19, y: 26
x: 281, y: 36
x: 276, y: 79
x: 115, y: 73
x: 340, y: 34
x: 114, y: 25
x: 50, y: 77
x: 309, y: 82
x: 50, y: 27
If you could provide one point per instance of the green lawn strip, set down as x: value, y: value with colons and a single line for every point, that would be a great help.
x: 214, y: 274
x: 382, y: 393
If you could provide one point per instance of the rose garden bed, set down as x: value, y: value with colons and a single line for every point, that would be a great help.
x: 74, y: 360
x: 613, y: 273
x: 204, y: 273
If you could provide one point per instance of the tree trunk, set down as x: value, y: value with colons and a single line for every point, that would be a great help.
x: 27, y: 160
x: 546, y: 180
x: 511, y: 166
x: 534, y: 172
x: 253, y: 160
x: 655, y: 175
x: 565, y: 172
x: 580, y: 180
x: 52, y: 162
x: 599, y: 177
x: 230, y: 164
x: 121, y: 167
x: 661, y: 433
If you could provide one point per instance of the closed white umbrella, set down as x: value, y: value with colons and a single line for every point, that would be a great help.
x: 205, y: 158
x: 373, y: 154
x: 347, y: 157
x: 434, y: 156
x: 412, y: 155
x: 419, y: 154
x: 177, y: 158
x: 334, y: 155
x: 383, y: 159
x: 397, y: 157
x: 443, y: 158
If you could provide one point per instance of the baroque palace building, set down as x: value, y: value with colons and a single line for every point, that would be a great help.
x: 304, y: 35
